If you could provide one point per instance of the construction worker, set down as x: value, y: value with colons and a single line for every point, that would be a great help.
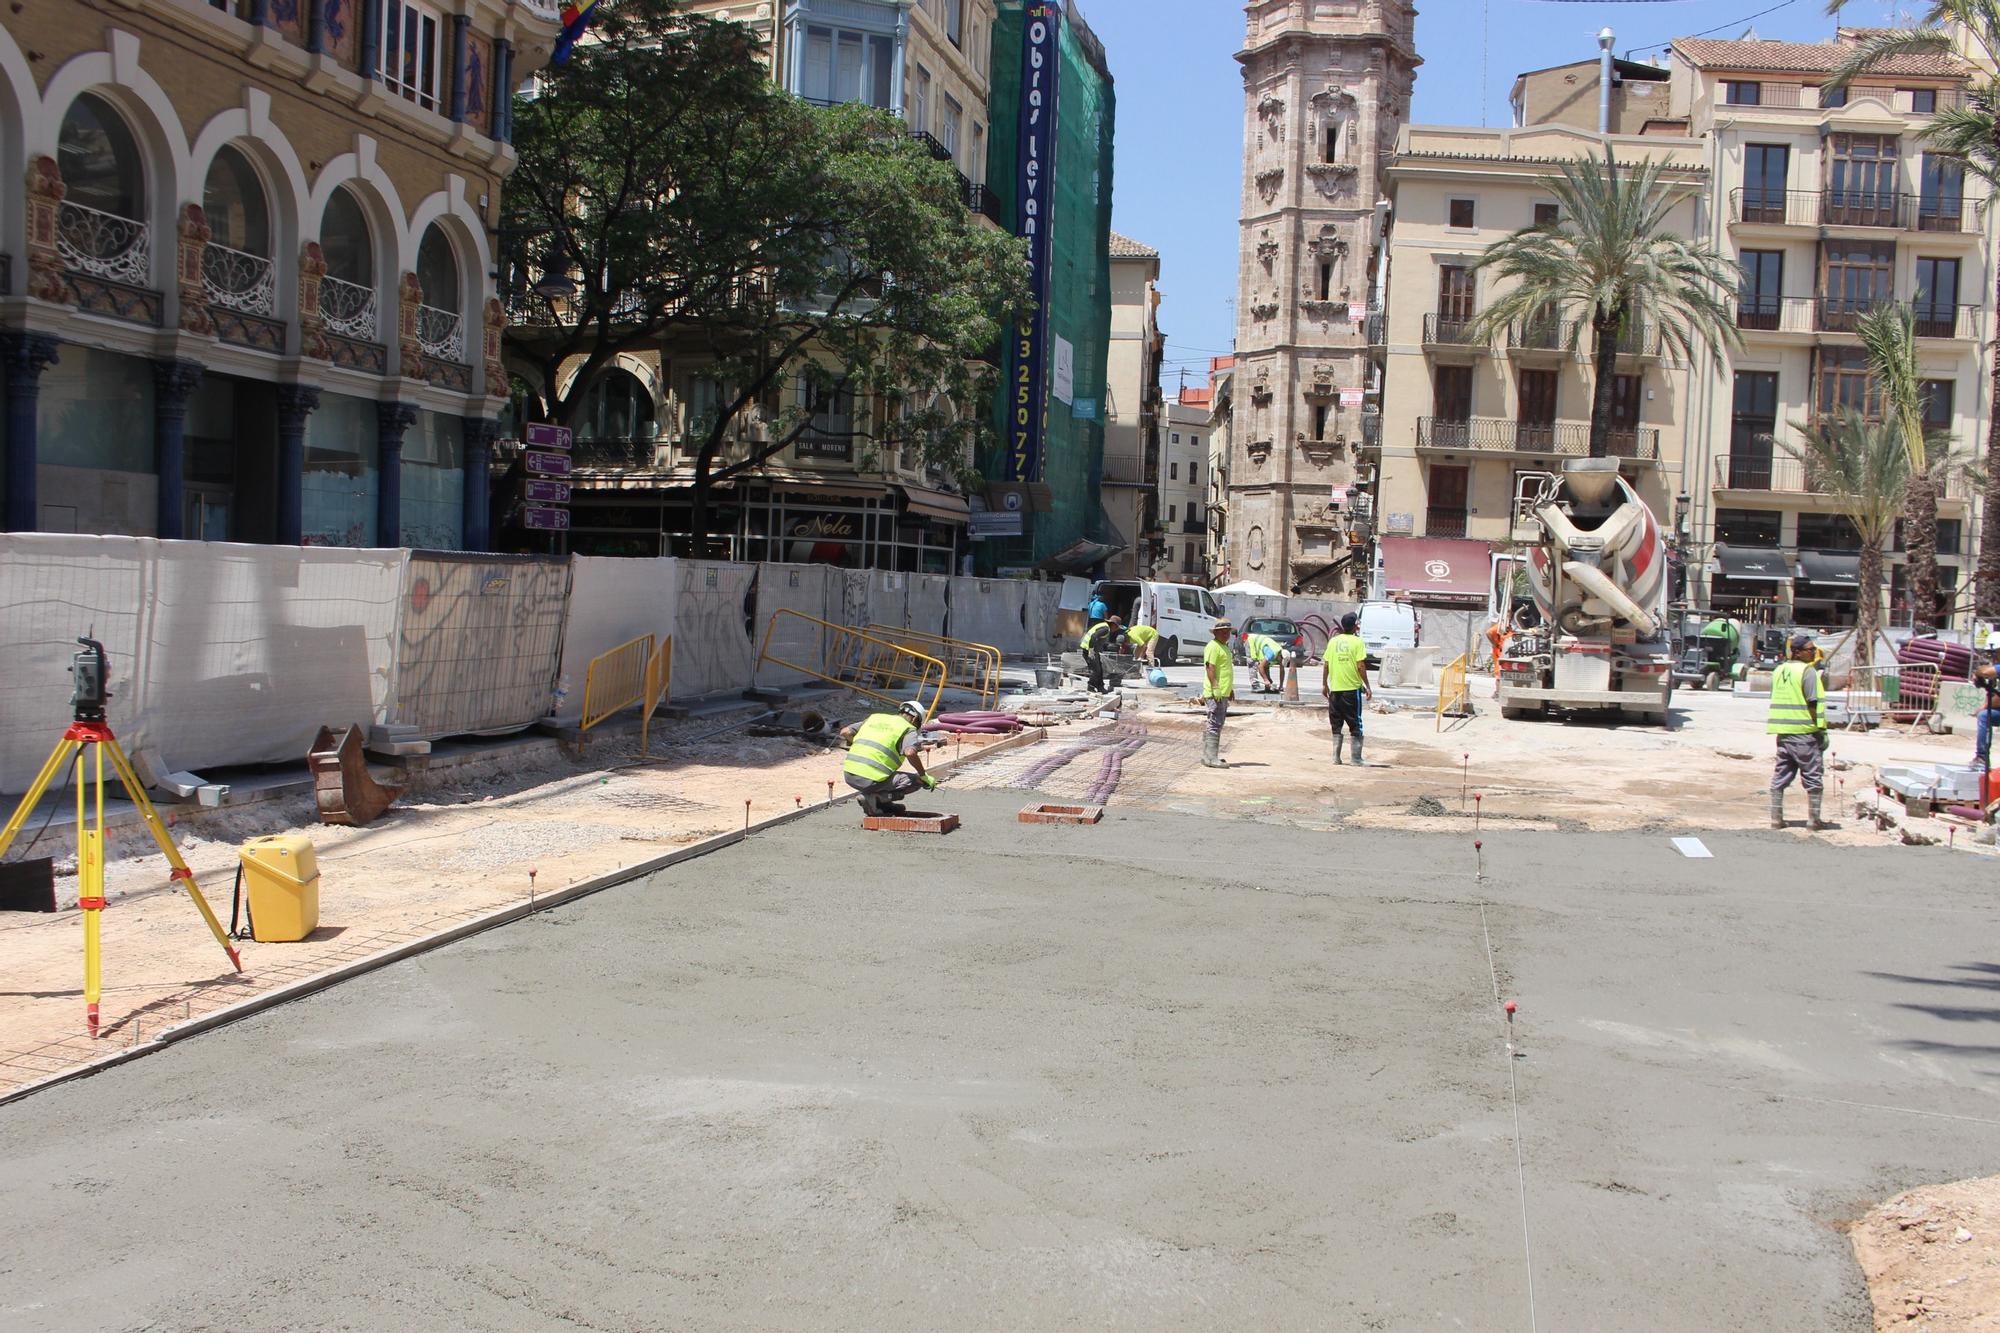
x: 1218, y: 687
x: 1988, y: 679
x: 875, y: 755
x: 1800, y: 726
x: 1262, y: 652
x: 1345, y: 683
x: 1097, y: 640
x: 1143, y: 639
x: 1096, y: 610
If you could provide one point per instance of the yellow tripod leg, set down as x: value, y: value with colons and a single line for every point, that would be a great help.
x: 158, y: 828
x: 58, y: 759
x: 90, y: 891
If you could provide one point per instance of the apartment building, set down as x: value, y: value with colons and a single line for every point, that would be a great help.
x: 828, y: 497
x: 1133, y: 408
x: 1183, y: 488
x: 245, y: 294
x: 1325, y: 89
x: 1574, y: 94
x: 1470, y: 424
x: 1831, y: 204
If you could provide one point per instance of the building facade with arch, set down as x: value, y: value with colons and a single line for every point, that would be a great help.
x: 245, y: 290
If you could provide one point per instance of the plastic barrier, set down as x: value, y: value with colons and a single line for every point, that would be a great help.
x: 1454, y: 692
x: 858, y: 661
x: 616, y: 680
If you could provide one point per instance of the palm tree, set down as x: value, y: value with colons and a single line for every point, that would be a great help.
x: 1970, y: 135
x: 1611, y: 258
x: 1889, y: 336
x: 1864, y: 468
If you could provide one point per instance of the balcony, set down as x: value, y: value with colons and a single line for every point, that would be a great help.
x: 348, y: 310
x: 1758, y: 471
x: 1451, y: 331
x: 1933, y: 319
x: 1543, y: 335
x: 1371, y: 432
x: 109, y: 261
x: 616, y: 455
x: 441, y: 336
x: 1853, y: 208
x: 1504, y: 435
x: 242, y: 294
x: 1639, y: 340
x: 931, y: 142
x: 1375, y: 328
x: 981, y: 200
x: 1444, y: 522
x: 1194, y: 525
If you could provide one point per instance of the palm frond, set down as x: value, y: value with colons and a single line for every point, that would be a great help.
x: 1889, y: 335
x: 1860, y: 465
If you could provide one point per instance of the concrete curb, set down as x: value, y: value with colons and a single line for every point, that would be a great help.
x: 501, y: 916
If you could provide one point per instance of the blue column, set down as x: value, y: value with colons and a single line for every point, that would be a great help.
x: 479, y: 434
x: 459, y: 24
x: 393, y: 419
x: 316, y: 27
x: 173, y: 383
x: 23, y: 358
x: 296, y: 402
x: 503, y: 90
x: 371, y: 39
x: 260, y: 12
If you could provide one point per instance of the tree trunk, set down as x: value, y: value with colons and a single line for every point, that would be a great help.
x: 1988, y: 574
x: 1868, y: 613
x: 1920, y: 540
x: 1604, y: 357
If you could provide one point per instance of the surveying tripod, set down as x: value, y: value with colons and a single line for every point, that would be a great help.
x: 88, y: 728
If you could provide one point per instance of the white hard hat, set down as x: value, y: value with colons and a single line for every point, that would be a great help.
x: 913, y: 711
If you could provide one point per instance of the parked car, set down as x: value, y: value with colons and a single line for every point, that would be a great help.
x: 1184, y: 614
x: 1288, y: 634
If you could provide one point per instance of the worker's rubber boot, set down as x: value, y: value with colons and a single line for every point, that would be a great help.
x: 1336, y: 749
x: 1813, y: 821
x: 1354, y: 750
x: 1211, y: 750
x: 1777, y: 809
x: 871, y: 806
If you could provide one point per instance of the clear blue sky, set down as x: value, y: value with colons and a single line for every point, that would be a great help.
x: 1180, y: 111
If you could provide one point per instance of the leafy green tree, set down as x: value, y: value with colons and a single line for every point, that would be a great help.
x: 1863, y: 466
x: 1612, y: 261
x: 1969, y: 134
x: 1889, y: 336
x: 821, y: 261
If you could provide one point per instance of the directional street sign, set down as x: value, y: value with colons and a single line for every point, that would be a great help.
x: 545, y: 464
x: 546, y: 492
x: 546, y: 518
x: 542, y: 436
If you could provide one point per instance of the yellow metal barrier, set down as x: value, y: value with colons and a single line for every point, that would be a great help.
x: 659, y: 681
x: 968, y: 665
x: 862, y: 662
x: 615, y: 680
x: 1454, y: 691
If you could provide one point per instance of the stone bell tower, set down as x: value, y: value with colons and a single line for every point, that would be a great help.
x: 1326, y: 86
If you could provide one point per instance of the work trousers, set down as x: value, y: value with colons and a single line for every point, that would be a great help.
x: 1218, y: 713
x: 1093, y: 661
x: 1344, y: 710
x: 1799, y: 756
x: 892, y: 788
x: 1986, y: 717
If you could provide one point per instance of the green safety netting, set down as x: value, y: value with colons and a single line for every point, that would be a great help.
x: 1079, y: 280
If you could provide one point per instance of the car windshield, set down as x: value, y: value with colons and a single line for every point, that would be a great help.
x: 1277, y: 629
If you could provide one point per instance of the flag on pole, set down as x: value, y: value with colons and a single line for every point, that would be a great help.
x: 575, y: 18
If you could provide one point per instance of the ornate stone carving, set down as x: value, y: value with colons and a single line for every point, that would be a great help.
x: 45, y: 195
x: 409, y: 296
x: 1260, y: 388
x: 1269, y: 181
x: 191, y: 238
x: 312, y: 332
x: 1267, y: 250
x: 495, y: 324
x: 1321, y: 384
x: 1271, y: 110
x: 1265, y: 307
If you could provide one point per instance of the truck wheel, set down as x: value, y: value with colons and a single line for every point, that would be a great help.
x: 1170, y: 652
x: 1517, y: 713
x: 1712, y: 681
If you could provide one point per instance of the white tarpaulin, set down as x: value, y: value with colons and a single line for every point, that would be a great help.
x: 480, y: 642
x: 612, y: 600
x: 220, y: 654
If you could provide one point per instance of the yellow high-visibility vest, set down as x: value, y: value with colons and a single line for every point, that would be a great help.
x: 877, y: 751
x: 1095, y: 632
x: 1790, y: 714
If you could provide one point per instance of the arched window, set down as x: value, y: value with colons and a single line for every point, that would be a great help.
x: 617, y: 407
x: 347, y: 294
x: 236, y: 268
x: 440, y: 330
x: 102, y: 229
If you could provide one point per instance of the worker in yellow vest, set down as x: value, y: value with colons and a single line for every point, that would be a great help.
x: 1099, y: 639
x: 1345, y: 683
x: 875, y: 755
x: 1218, y: 687
x: 1144, y: 640
x: 1800, y: 726
x: 1264, y: 655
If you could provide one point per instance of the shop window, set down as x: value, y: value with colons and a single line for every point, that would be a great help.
x: 341, y: 474
x: 434, y: 482
x: 96, y: 411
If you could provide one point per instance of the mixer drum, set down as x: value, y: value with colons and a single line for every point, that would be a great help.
x: 1614, y: 557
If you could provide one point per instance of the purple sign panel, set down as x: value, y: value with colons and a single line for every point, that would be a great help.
x: 546, y: 518
x: 548, y: 465
x: 543, y: 436
x: 546, y: 492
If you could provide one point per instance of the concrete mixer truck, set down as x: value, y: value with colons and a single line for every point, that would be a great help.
x: 1596, y: 571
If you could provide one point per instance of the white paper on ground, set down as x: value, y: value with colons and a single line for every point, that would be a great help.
x: 1693, y: 849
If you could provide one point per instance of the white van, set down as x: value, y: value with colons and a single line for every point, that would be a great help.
x: 1184, y: 614
x: 1386, y: 625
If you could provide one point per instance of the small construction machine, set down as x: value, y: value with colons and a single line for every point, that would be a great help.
x: 1597, y: 572
x: 1707, y: 662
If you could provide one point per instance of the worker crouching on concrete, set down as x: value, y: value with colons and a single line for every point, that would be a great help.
x: 1345, y: 683
x: 1800, y: 726
x: 1097, y: 640
x: 1218, y: 687
x: 875, y: 758
x: 1261, y: 651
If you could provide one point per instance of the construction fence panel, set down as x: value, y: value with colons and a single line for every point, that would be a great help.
x: 713, y: 650
x: 812, y: 590
x: 480, y: 642
x: 1451, y: 631
x: 888, y: 599
x: 928, y: 604
x: 612, y: 600
x: 1044, y: 630
x: 857, y: 602
x: 991, y: 611
x: 219, y: 654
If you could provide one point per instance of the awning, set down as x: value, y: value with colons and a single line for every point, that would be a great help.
x: 937, y: 504
x: 1437, y: 569
x: 1078, y: 557
x: 1839, y: 569
x: 1757, y: 564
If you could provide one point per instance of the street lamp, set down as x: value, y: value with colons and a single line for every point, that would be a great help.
x: 554, y: 283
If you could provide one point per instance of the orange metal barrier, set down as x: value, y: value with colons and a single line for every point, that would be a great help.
x: 862, y: 662
x: 1454, y: 692
x: 659, y: 681
x: 968, y: 665
x: 615, y: 680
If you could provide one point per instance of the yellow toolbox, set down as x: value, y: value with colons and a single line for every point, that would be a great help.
x: 281, y: 878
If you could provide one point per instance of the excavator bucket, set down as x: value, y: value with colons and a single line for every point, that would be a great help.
x: 346, y: 794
